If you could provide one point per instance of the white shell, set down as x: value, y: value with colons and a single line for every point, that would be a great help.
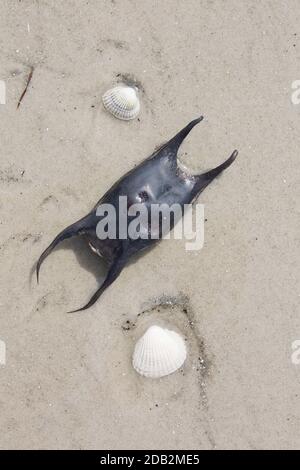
x: 159, y: 352
x: 122, y: 102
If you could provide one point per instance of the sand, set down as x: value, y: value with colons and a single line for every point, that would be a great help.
x: 68, y: 381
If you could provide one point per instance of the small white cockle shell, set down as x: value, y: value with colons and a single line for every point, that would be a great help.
x: 159, y: 352
x: 122, y: 102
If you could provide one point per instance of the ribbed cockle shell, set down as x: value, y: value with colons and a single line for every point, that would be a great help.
x: 159, y: 352
x: 122, y: 102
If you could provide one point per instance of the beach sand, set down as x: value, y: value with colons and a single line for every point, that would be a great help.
x: 68, y: 382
